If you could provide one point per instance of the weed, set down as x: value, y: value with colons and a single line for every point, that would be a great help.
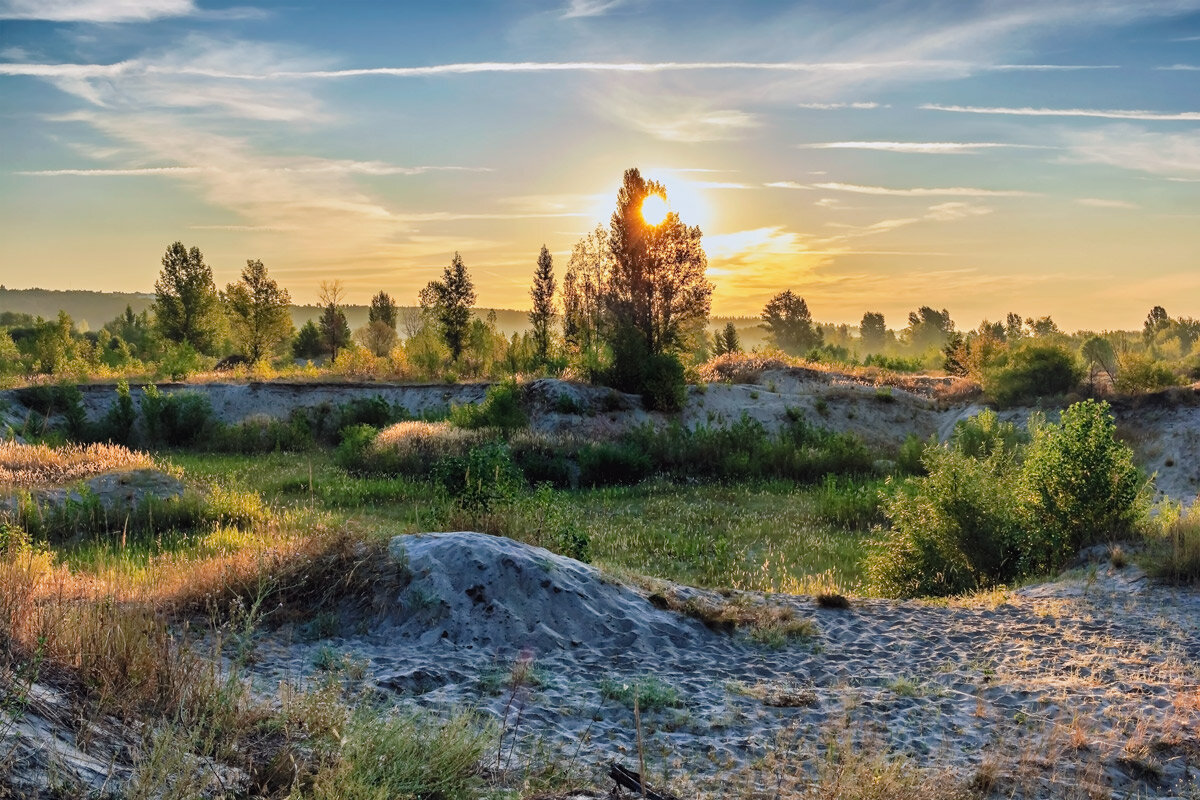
x: 651, y: 693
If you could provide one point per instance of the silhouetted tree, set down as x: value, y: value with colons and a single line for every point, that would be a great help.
x: 542, y: 294
x: 585, y: 285
x: 1187, y: 331
x: 258, y: 312
x: 1042, y: 326
x: 379, y: 334
x: 872, y: 331
x: 335, y: 332
x: 1098, y: 352
x: 187, y: 309
x: 1156, y: 321
x: 449, y: 301
x: 1013, y: 329
x: 928, y: 327
x: 729, y: 339
x: 789, y: 324
x: 657, y: 287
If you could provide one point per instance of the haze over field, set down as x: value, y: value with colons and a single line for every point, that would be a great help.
x: 975, y: 156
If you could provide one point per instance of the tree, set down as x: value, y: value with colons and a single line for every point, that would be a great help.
x: 657, y: 286
x: 928, y: 327
x: 1013, y: 327
x: 383, y: 309
x: 258, y: 312
x: 1098, y: 352
x: 335, y: 332
x: 1156, y: 321
x: 379, y: 334
x: 1187, y: 331
x: 789, y: 323
x: 307, y: 343
x: 730, y: 343
x: 542, y: 294
x: 1042, y: 327
x: 872, y: 331
x: 187, y: 309
x: 449, y: 301
x: 585, y: 285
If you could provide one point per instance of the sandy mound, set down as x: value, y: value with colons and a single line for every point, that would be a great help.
x: 473, y: 590
x: 120, y: 490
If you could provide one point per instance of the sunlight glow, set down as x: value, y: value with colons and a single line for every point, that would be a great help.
x: 654, y: 209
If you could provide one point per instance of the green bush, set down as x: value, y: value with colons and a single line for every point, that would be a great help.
x: 613, y: 464
x: 955, y: 530
x: 501, y: 408
x: 484, y: 477
x: 175, y: 420
x: 1032, y: 371
x: 117, y: 425
x: 908, y: 460
x: 352, y: 454
x: 1139, y: 374
x: 664, y: 387
x: 984, y: 434
x: 1080, y: 486
x: 375, y: 411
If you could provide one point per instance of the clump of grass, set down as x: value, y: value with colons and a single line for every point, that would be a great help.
x: 32, y: 465
x: 1175, y: 550
x: 765, y: 623
x: 652, y: 694
x: 831, y: 599
x: 787, y: 694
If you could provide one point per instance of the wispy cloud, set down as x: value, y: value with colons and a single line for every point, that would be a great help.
x: 112, y: 173
x: 836, y: 106
x: 1068, y: 112
x: 1171, y: 155
x: 95, y: 10
x: 949, y: 191
x: 948, y: 212
x: 301, y: 166
x: 589, y: 8
x: 699, y: 126
x: 932, y: 148
x: 1180, y: 68
x: 1100, y: 202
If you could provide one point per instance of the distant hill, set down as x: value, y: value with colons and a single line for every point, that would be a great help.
x: 97, y: 308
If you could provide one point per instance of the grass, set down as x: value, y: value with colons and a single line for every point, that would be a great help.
x: 650, y: 692
x: 32, y: 465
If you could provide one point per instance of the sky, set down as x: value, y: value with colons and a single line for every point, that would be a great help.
x: 984, y: 157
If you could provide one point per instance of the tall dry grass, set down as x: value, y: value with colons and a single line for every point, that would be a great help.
x: 31, y: 465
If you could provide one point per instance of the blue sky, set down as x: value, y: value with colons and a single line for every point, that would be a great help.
x: 985, y: 157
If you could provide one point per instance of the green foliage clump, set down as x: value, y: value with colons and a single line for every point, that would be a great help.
x: 1080, y: 484
x: 175, y: 420
x: 501, y: 408
x: 1031, y: 371
x: 1139, y: 374
x: 118, y: 423
x: 485, y: 476
x: 954, y: 530
x: 993, y: 508
x: 664, y: 387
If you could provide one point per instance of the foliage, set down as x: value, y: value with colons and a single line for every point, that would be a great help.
x: 585, y: 286
x: 726, y: 340
x: 1097, y: 351
x: 872, y: 331
x: 1080, y: 485
x: 789, y: 324
x: 928, y: 327
x: 1138, y: 374
x: 383, y: 309
x: 307, y: 343
x: 986, y: 434
x: 449, y: 301
x: 176, y: 419
x: 1032, y: 370
x: 258, y: 312
x: 501, y: 408
x: 332, y: 326
x: 484, y: 477
x: 657, y: 285
x: 953, y: 531
x: 664, y: 387
x: 542, y: 313
x: 186, y: 306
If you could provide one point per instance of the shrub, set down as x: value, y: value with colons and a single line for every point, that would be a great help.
x: 486, y: 476
x: 664, y: 387
x: 118, y: 422
x: 1031, y: 371
x: 984, y: 434
x: 352, y: 454
x: 908, y: 460
x: 501, y: 408
x: 1177, y: 549
x: 375, y: 411
x: 953, y: 531
x: 175, y: 419
x: 1140, y: 374
x: 413, y: 448
x: 1080, y: 485
x: 613, y: 464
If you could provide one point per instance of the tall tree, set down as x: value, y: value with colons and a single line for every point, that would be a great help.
x: 928, y: 327
x: 335, y: 332
x: 379, y: 334
x: 383, y: 309
x: 585, y: 286
x: 542, y: 294
x: 730, y: 343
x: 872, y: 331
x: 657, y: 288
x: 449, y: 301
x: 789, y: 323
x: 1157, y: 320
x: 186, y: 306
x: 258, y: 311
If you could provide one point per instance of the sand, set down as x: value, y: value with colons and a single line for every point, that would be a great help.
x: 1089, y: 680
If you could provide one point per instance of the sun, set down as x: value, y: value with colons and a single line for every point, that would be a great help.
x: 654, y: 209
